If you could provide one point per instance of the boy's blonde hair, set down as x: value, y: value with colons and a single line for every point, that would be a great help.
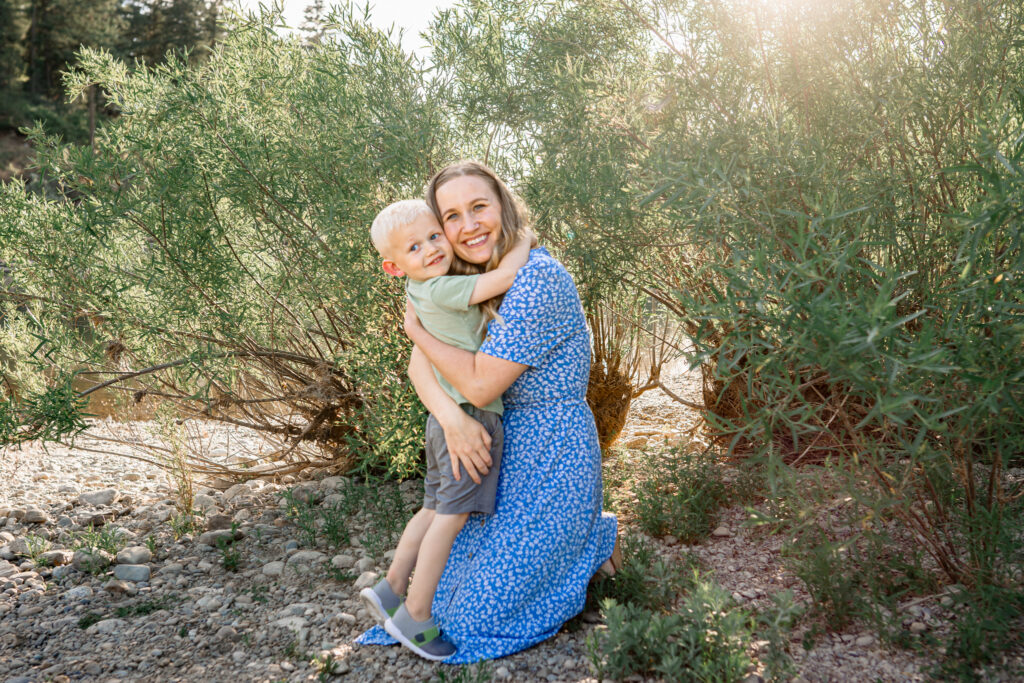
x: 394, y: 216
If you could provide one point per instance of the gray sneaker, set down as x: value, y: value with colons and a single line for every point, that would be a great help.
x: 422, y: 637
x: 381, y: 602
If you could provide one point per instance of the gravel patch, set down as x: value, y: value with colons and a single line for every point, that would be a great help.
x: 163, y: 608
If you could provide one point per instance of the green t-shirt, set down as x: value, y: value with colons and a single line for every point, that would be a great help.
x: 442, y: 305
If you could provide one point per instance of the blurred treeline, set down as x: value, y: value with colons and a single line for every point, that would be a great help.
x: 39, y: 40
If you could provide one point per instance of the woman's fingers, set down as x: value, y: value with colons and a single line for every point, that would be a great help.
x: 472, y: 466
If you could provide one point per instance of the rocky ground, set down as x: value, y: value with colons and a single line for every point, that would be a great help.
x: 248, y: 596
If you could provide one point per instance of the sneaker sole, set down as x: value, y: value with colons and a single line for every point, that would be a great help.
x: 373, y: 605
x: 393, y: 631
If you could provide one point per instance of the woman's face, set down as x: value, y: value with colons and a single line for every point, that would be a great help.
x: 470, y: 216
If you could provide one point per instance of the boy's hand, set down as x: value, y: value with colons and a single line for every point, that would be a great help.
x: 519, y: 254
x: 531, y: 237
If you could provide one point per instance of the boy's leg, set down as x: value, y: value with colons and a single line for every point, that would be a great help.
x: 409, y: 544
x: 408, y: 549
x: 435, y: 547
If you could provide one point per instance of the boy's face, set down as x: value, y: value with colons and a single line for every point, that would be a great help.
x: 419, y: 250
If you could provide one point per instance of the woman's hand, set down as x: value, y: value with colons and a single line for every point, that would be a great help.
x: 468, y: 442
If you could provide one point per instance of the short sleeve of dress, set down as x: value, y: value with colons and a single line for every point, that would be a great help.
x: 541, y: 310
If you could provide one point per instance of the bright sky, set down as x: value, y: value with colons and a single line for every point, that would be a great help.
x: 412, y: 15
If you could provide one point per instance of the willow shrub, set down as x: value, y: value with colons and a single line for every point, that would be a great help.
x: 826, y: 196
x: 213, y: 255
x: 852, y: 180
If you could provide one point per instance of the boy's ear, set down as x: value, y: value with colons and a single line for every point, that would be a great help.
x: 391, y: 268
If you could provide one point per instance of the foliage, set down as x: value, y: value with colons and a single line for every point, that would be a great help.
x: 481, y: 672
x: 230, y: 556
x: 775, y: 624
x: 103, y: 538
x: 377, y: 507
x: 644, y: 580
x: 229, y: 272
x: 987, y: 628
x: 678, y: 493
x: 705, y: 640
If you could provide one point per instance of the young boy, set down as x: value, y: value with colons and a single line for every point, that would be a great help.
x: 414, y: 246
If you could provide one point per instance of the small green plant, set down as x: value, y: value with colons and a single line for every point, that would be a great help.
x: 481, y: 672
x: 705, y: 640
x: 177, y: 463
x: 293, y: 651
x: 774, y: 624
x: 679, y: 493
x: 183, y: 632
x: 989, y: 624
x: 37, y: 545
x: 146, y: 606
x: 831, y: 577
x: 89, y: 618
x: 98, y: 538
x: 335, y: 526
x: 325, y: 666
x: 185, y: 524
x: 258, y: 593
x: 338, y: 574
x: 151, y: 544
x: 230, y: 556
x: 387, y: 515
x: 643, y: 580
x: 303, y: 513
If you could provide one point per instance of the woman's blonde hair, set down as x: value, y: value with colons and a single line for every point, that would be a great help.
x: 514, y: 220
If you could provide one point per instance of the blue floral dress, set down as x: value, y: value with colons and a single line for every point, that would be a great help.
x: 514, y: 577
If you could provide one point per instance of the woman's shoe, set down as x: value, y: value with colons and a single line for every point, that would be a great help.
x: 613, y: 564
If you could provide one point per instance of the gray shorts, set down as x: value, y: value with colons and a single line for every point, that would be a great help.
x: 440, y: 490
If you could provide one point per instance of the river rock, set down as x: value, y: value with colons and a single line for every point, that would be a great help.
x: 98, y: 498
x: 218, y: 521
x: 365, y: 580
x: 212, y: 538
x: 56, y: 558
x: 91, y: 560
x: 273, y: 568
x: 19, y: 546
x: 119, y: 587
x: 306, y: 557
x: 35, y: 516
x: 343, y: 561
x: 204, y: 501
x: 77, y: 593
x: 132, y: 572
x: 107, y: 626
x: 136, y: 554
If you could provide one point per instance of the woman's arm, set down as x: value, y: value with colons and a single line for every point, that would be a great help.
x: 468, y: 442
x: 477, y: 376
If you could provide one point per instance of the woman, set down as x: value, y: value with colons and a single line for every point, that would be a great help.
x: 515, y: 577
